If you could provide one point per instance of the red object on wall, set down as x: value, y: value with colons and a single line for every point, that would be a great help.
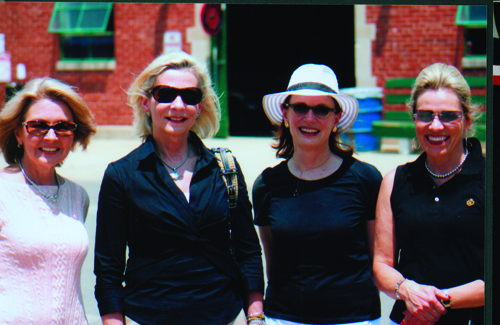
x: 211, y: 18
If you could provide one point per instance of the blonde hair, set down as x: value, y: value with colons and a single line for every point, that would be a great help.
x: 16, y: 108
x: 440, y: 75
x: 208, y: 123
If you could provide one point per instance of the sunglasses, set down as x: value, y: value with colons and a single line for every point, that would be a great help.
x: 301, y: 109
x: 61, y: 128
x: 444, y: 117
x: 166, y: 94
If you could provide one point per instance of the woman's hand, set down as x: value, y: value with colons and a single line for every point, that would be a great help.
x: 113, y: 319
x: 412, y: 320
x: 423, y: 302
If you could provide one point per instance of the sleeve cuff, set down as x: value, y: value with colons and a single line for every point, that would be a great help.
x: 108, y: 301
x: 254, y: 283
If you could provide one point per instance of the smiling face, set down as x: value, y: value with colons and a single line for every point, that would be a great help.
x: 440, y: 140
x: 45, y: 151
x: 173, y: 119
x: 309, y: 131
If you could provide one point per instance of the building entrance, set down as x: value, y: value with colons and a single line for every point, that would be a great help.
x: 266, y: 43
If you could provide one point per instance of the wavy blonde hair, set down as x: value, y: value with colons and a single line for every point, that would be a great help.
x: 208, y: 123
x: 14, y: 111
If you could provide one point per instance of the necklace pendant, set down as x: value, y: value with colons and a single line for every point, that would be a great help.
x: 175, y: 175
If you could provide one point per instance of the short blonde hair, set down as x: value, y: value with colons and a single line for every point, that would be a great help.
x: 440, y: 75
x: 208, y: 123
x: 16, y: 108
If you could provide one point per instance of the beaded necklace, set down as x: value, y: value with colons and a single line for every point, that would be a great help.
x: 51, y: 198
x: 449, y: 173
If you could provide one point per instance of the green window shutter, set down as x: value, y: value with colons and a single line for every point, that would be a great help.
x: 80, y: 18
x: 471, y: 16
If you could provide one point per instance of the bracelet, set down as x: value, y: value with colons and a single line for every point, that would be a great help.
x: 256, y: 315
x: 257, y: 322
x: 397, y: 288
x: 256, y: 319
x: 446, y: 303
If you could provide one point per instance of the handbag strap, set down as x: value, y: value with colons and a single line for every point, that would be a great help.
x: 229, y: 174
x: 227, y: 166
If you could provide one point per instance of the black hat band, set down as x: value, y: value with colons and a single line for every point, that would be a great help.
x: 311, y: 85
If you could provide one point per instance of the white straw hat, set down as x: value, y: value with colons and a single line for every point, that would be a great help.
x: 312, y: 80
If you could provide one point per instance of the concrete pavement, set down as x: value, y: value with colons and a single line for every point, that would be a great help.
x: 253, y: 154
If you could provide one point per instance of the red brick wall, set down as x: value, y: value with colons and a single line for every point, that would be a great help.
x: 26, y: 38
x: 139, y: 29
x: 409, y: 38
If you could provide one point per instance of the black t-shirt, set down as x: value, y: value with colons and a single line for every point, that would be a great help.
x: 321, y: 271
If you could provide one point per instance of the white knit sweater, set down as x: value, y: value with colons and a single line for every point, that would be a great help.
x: 42, y: 249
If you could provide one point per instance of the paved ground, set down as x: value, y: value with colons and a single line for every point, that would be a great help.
x: 254, y: 154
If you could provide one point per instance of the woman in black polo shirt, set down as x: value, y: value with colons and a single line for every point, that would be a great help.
x: 429, y: 247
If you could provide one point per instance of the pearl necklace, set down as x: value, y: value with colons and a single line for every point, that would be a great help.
x: 449, y: 173
x: 175, y: 175
x: 51, y: 198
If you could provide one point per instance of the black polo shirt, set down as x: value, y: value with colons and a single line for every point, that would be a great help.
x: 440, y: 229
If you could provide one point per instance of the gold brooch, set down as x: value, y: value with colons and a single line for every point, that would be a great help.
x: 470, y: 202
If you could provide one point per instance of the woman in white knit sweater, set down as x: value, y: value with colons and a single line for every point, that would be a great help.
x: 43, y: 241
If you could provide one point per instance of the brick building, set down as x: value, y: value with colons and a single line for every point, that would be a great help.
x: 138, y: 31
x: 380, y: 42
x: 409, y: 38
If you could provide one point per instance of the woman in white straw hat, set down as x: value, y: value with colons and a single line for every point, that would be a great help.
x: 316, y: 209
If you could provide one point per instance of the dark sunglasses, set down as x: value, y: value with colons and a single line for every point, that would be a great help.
x: 165, y: 94
x: 301, y: 109
x: 38, y: 127
x: 444, y: 117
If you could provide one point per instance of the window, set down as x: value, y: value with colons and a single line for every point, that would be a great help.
x: 473, y: 19
x: 86, y: 33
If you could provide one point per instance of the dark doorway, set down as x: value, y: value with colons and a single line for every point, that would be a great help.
x: 266, y: 43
